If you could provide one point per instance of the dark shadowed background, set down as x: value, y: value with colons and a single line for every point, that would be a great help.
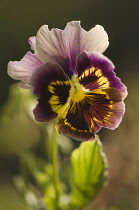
x: 21, y: 19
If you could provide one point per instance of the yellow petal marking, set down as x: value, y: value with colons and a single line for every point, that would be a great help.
x: 102, y: 80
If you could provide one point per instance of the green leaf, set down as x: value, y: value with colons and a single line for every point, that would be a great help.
x: 89, y: 172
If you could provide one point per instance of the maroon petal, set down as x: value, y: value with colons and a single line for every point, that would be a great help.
x: 80, y: 135
x: 107, y: 107
x: 99, y: 108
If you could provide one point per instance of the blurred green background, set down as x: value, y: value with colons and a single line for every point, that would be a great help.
x: 21, y: 19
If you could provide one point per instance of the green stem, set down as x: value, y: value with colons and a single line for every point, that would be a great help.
x: 55, y: 161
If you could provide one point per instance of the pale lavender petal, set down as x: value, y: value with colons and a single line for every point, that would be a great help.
x: 95, y: 40
x: 32, y: 42
x: 22, y: 70
x: 51, y: 47
x: 63, y: 46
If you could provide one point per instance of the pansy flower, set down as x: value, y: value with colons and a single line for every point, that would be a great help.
x: 73, y: 80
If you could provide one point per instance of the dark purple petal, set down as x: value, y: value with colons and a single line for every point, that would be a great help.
x: 96, y: 71
x: 51, y: 85
x: 43, y: 111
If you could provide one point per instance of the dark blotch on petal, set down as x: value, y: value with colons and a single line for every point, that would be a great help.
x: 44, y: 75
x: 62, y: 91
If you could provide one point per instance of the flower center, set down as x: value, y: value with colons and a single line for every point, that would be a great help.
x: 77, y: 92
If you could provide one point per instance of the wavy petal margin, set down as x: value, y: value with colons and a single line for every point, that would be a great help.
x: 22, y: 70
x: 63, y: 46
x: 60, y: 47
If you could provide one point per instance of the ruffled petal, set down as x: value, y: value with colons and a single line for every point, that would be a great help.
x: 97, y: 71
x: 99, y: 108
x: 94, y: 40
x: 62, y: 47
x: 75, y: 133
x: 22, y: 70
x: 32, y: 42
x: 52, y: 87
